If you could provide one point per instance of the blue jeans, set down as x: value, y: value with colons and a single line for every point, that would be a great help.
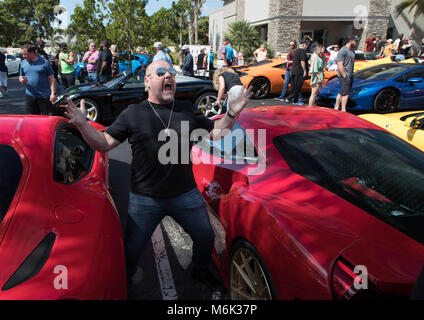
x: 286, y: 83
x: 92, y: 77
x: 187, y: 209
x: 287, y: 79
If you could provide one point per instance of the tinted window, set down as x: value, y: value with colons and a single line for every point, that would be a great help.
x: 417, y: 73
x: 73, y: 156
x: 372, y: 169
x: 10, y: 175
x: 383, y: 72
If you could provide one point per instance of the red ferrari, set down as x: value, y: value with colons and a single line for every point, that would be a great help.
x: 60, y: 233
x: 319, y: 205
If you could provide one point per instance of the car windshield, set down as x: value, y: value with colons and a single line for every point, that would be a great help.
x: 260, y: 63
x: 122, y: 77
x: 372, y: 169
x: 365, y: 56
x: 10, y: 175
x: 382, y: 72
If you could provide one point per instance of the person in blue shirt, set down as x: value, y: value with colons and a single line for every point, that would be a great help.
x: 160, y: 54
x: 188, y: 64
x: 211, y: 59
x: 230, y: 54
x: 37, y: 75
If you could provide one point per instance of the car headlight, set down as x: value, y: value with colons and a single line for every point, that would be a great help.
x: 59, y: 97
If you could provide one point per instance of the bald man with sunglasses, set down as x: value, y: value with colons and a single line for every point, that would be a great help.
x: 159, y: 189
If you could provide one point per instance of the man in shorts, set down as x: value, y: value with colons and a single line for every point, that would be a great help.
x: 345, y: 63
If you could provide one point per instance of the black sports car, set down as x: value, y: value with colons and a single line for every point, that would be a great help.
x: 105, y: 101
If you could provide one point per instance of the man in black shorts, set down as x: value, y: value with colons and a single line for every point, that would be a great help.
x: 157, y: 188
x: 345, y: 63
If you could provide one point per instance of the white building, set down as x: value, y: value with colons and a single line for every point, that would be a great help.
x: 328, y: 21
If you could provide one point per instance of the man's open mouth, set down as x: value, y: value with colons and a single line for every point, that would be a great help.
x: 167, y: 87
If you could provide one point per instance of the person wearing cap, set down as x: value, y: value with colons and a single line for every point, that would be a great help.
x: 160, y: 54
x: 36, y: 74
x: 39, y: 49
x: 345, y: 64
x: 222, y: 55
x: 405, y: 50
x: 66, y: 60
x: 188, y: 64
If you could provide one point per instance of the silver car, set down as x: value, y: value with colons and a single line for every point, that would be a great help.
x: 12, y: 64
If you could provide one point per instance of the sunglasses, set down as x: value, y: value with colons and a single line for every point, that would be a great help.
x: 160, y: 72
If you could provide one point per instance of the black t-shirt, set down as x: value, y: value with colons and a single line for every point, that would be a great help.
x: 105, y: 55
x: 200, y: 59
x: 3, y: 67
x: 231, y: 79
x: 141, y: 126
x: 298, y: 56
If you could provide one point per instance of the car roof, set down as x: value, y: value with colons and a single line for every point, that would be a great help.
x: 279, y: 120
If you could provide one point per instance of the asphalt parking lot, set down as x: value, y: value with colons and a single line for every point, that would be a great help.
x: 165, y: 263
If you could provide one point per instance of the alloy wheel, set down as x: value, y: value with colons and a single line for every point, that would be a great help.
x: 247, y: 277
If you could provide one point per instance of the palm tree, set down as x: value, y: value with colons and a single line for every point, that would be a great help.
x: 411, y: 4
x: 243, y: 36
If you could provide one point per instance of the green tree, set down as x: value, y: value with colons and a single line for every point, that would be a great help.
x: 243, y: 36
x: 87, y: 22
x: 24, y: 21
x: 128, y: 23
x: 204, y: 30
x: 411, y: 4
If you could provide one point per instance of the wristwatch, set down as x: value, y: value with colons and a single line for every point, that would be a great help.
x: 231, y: 116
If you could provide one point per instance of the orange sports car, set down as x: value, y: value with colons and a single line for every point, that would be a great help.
x: 267, y: 77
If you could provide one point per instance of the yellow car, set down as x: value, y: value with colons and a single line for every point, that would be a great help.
x: 366, y: 64
x: 408, y: 126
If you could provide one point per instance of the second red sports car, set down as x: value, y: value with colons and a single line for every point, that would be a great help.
x: 60, y: 234
x: 313, y: 203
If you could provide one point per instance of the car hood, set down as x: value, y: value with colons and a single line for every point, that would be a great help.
x: 84, y: 87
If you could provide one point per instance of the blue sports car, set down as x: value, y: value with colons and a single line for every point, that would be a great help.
x: 139, y: 63
x: 383, y: 88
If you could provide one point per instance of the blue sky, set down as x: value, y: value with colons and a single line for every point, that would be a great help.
x: 153, y: 5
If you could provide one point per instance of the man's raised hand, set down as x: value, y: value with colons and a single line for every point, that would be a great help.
x: 239, y: 102
x: 77, y: 116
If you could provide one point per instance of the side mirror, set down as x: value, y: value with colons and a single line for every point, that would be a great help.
x: 120, y: 85
x: 415, y: 80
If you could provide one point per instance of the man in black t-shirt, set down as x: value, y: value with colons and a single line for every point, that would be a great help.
x: 162, y: 182
x: 104, y: 65
x: 298, y: 73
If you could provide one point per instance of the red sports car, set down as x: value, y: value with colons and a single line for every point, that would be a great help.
x: 319, y: 205
x: 60, y: 234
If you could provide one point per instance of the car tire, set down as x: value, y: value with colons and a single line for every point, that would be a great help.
x: 94, y: 112
x: 206, y: 100
x: 245, y: 262
x: 260, y: 87
x: 386, y: 100
x: 82, y: 76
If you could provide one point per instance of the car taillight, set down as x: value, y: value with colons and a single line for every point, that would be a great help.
x: 343, y: 281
